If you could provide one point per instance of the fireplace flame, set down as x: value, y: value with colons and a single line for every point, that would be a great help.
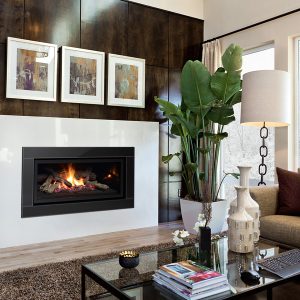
x: 70, y: 176
x: 112, y: 173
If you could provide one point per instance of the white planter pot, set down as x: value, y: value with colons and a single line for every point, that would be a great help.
x: 191, y: 209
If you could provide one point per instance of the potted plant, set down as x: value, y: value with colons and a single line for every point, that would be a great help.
x: 206, y: 107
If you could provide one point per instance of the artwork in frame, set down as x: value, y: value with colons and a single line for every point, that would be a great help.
x: 126, y: 81
x: 82, y: 76
x: 31, y: 70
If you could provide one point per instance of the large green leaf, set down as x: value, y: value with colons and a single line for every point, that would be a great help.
x: 225, y: 84
x: 167, y: 107
x: 187, y: 127
x: 166, y: 158
x: 217, y: 137
x: 235, y: 175
x: 236, y: 98
x: 177, y: 117
x: 232, y: 58
x: 222, y: 115
x: 176, y: 129
x: 195, y: 85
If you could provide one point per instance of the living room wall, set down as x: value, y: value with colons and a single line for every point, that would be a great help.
x: 165, y: 39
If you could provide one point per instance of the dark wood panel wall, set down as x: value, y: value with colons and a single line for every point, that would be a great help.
x: 166, y: 40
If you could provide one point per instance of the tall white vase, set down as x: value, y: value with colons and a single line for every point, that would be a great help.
x: 251, y: 206
x: 241, y: 226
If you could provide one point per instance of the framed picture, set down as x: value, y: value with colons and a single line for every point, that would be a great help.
x: 31, y: 70
x: 126, y: 81
x: 82, y: 78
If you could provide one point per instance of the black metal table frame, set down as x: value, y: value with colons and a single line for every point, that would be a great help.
x: 122, y: 296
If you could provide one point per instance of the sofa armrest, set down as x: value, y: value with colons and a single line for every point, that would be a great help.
x: 266, y: 197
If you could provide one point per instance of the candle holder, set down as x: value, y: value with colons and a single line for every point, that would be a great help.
x: 129, y: 259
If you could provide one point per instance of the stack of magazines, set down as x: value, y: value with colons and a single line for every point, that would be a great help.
x: 191, y: 280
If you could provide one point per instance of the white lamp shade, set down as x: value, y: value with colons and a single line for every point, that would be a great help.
x: 266, y: 98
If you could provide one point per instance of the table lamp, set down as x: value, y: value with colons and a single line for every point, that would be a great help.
x: 265, y: 103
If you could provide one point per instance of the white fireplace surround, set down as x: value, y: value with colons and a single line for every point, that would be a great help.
x: 17, y: 132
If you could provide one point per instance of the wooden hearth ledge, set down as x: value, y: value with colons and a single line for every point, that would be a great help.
x: 37, y: 254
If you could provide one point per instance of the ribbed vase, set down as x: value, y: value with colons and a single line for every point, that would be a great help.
x: 241, y: 225
x: 251, y: 205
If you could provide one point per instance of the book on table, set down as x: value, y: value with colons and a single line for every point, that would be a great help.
x: 191, y: 280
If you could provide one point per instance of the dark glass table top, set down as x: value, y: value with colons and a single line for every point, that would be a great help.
x: 138, y: 282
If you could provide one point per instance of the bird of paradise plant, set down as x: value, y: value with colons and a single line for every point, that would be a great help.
x: 205, y: 110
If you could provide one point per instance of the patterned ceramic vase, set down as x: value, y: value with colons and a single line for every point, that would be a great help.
x: 251, y: 206
x: 241, y: 226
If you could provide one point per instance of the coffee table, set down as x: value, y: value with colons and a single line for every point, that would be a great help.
x: 138, y: 284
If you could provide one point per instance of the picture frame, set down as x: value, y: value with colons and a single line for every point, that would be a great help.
x: 31, y: 70
x: 126, y: 81
x: 82, y: 76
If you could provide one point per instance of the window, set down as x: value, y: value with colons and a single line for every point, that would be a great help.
x: 243, y: 142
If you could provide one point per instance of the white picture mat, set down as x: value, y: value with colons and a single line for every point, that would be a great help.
x: 67, y: 52
x: 13, y: 44
x: 114, y: 59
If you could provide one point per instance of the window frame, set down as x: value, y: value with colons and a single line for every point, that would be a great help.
x: 297, y: 99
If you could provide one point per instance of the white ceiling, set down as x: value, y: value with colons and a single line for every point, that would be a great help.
x: 223, y: 16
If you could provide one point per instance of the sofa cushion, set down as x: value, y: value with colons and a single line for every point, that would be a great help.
x: 289, y: 193
x: 266, y: 197
x: 282, y: 229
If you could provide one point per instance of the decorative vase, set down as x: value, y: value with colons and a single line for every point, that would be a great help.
x: 205, y: 246
x: 191, y: 209
x: 251, y: 205
x: 241, y: 226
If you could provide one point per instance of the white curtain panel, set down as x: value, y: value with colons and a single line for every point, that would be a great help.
x: 211, y: 55
x: 211, y: 58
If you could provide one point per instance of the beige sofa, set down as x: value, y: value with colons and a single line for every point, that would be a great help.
x: 278, y: 228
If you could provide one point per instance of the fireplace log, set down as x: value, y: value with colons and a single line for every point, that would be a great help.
x: 52, y: 188
x: 50, y: 185
x: 61, y: 180
x: 99, y: 186
x: 57, y: 177
x: 44, y: 187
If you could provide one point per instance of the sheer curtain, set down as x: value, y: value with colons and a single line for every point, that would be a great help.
x: 211, y: 58
x: 211, y: 55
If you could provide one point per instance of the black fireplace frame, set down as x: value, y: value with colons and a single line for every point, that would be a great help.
x: 30, y: 154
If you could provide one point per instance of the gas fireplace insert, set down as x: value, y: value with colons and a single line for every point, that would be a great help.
x: 61, y: 180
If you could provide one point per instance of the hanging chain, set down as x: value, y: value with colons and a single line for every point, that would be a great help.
x: 263, y: 152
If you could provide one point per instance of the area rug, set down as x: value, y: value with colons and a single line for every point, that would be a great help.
x: 56, y: 281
